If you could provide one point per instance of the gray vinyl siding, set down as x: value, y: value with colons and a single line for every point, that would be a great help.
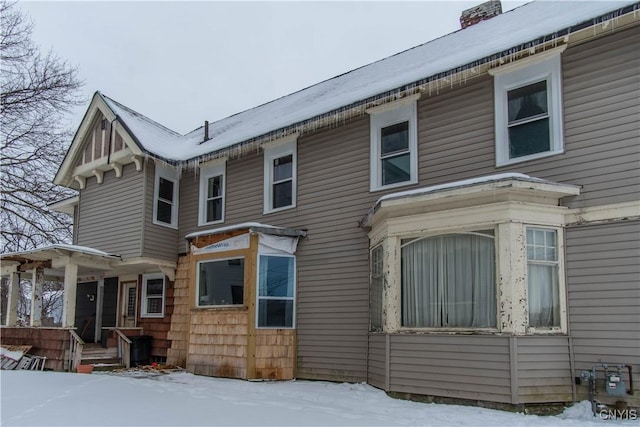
x: 453, y: 366
x: 377, y: 361
x: 603, y: 269
x: 601, y: 97
x: 157, y: 238
x: 543, y: 369
x: 110, y: 214
x: 456, y: 141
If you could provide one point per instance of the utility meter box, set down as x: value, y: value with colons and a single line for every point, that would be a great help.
x: 614, y: 384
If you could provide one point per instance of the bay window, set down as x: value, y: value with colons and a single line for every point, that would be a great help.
x: 542, y: 278
x: 449, y: 281
x: 220, y: 282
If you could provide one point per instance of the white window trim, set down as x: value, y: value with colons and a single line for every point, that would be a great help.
x: 214, y: 306
x: 388, y: 115
x: 562, y: 290
x: 207, y: 172
x: 171, y: 175
x: 258, y: 297
x: 144, y: 307
x: 510, y: 221
x: 272, y: 151
x: 523, y: 73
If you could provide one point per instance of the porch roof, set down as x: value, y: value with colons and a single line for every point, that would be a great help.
x: 52, y: 251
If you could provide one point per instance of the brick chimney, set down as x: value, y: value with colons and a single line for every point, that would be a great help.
x: 479, y: 13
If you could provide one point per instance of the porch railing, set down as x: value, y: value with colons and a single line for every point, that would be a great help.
x: 124, y: 348
x: 75, y: 350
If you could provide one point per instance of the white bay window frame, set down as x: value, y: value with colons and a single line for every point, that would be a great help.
x: 542, y: 67
x: 508, y: 219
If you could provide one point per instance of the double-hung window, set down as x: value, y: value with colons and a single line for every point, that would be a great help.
x: 542, y: 278
x: 153, y: 290
x: 165, y: 197
x: 528, y: 109
x: 212, y: 194
x: 394, y: 160
x: 280, y: 168
x: 448, y: 281
x: 276, y: 291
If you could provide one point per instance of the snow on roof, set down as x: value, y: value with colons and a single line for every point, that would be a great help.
x: 463, y: 183
x: 490, y: 37
x: 250, y: 225
x: 62, y: 246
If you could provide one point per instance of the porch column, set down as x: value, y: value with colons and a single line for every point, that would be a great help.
x: 69, y: 295
x: 99, y: 308
x: 36, y: 297
x: 12, y: 300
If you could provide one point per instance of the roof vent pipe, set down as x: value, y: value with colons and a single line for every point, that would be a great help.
x: 479, y: 13
x: 206, y: 130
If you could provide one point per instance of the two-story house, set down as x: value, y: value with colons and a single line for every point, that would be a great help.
x: 459, y: 221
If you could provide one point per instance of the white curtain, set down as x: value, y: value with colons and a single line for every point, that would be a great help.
x: 449, y: 281
x: 544, y: 304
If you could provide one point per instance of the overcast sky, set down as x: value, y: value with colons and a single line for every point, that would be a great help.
x: 181, y: 63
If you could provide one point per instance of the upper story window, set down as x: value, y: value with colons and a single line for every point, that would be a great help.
x: 212, y: 194
x: 280, y: 170
x: 153, y: 291
x: 394, y: 145
x: 528, y: 109
x: 165, y: 197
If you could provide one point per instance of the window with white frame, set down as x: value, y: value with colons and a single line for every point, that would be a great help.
x: 543, y: 290
x: 280, y: 169
x: 153, y: 292
x: 165, y: 197
x: 220, y: 282
x: 394, y: 146
x: 212, y: 194
x: 448, y: 281
x: 276, y: 291
x: 528, y: 109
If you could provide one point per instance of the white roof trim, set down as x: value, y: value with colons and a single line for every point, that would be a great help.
x: 58, y: 247
x: 252, y: 226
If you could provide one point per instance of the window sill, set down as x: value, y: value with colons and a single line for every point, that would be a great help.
x: 237, y: 307
x: 204, y: 224
x: 284, y: 208
x: 528, y: 158
x: 152, y: 316
x: 392, y: 186
x: 165, y: 225
x: 447, y: 331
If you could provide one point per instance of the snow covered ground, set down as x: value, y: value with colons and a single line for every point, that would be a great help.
x: 179, y: 399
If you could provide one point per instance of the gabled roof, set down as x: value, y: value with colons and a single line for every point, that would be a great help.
x: 522, y: 29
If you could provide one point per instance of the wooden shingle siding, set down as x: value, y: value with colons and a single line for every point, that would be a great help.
x: 157, y: 238
x: 603, y: 270
x: 110, y: 217
x: 543, y: 369
x: 376, y: 372
x: 454, y: 366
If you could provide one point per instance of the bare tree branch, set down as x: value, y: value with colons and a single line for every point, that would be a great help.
x: 36, y: 90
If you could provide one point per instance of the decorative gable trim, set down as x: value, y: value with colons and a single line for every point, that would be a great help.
x: 74, y: 172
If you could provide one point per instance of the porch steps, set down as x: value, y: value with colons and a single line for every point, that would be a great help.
x: 102, y: 359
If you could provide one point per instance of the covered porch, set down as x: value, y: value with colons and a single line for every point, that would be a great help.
x: 97, y: 317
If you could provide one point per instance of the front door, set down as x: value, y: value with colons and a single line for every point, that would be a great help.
x: 128, y: 299
x: 85, y: 321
